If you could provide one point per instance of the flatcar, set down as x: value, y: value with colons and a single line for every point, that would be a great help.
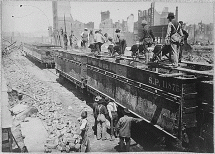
x: 42, y: 53
x: 168, y: 102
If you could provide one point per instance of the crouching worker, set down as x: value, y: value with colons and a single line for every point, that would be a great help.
x: 111, y: 46
x: 101, y: 113
x: 84, y: 127
x: 124, y: 129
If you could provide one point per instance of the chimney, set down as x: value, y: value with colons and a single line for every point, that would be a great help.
x: 176, y: 14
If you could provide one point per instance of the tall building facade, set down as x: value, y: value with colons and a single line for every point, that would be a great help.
x: 126, y: 27
x: 105, y: 15
x: 62, y: 19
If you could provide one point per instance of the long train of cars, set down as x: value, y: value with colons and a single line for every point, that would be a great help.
x: 40, y: 52
x: 174, y: 104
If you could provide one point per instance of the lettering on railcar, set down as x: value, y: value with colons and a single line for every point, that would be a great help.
x: 164, y: 84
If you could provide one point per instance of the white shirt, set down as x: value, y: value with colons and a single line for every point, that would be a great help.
x: 83, y: 124
x: 99, y: 38
x: 111, y: 107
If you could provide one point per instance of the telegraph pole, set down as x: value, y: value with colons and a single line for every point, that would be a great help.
x: 194, y: 33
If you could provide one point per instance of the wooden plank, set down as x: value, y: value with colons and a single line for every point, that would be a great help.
x: 171, y: 75
x: 196, y: 63
x: 206, y: 73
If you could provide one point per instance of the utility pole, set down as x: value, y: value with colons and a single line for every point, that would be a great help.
x: 194, y: 33
x: 65, y: 23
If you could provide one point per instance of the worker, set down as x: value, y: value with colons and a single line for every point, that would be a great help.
x: 99, y: 40
x: 95, y: 105
x: 71, y: 39
x: 101, y: 114
x: 112, y: 111
x: 120, y: 40
x: 173, y: 37
x: 85, y: 38
x: 65, y: 39
x: 124, y: 129
x: 110, y: 46
x: 184, y: 41
x: 91, y: 41
x: 84, y: 127
x: 146, y: 40
x: 61, y: 37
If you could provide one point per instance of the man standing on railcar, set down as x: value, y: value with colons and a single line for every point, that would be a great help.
x: 99, y: 40
x: 65, y: 39
x: 85, y: 38
x: 124, y: 129
x: 71, y: 39
x: 184, y: 41
x: 173, y: 37
x: 120, y: 40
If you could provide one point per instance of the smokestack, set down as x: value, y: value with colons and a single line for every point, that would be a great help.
x: 176, y: 14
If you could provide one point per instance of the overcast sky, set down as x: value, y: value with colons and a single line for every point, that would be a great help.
x: 36, y: 16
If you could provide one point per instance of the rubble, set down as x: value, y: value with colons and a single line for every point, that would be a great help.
x: 29, y: 97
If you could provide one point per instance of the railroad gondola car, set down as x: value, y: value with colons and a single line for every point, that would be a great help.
x: 42, y: 53
x: 168, y: 102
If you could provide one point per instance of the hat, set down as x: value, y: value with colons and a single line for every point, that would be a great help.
x: 144, y: 22
x: 110, y: 38
x: 98, y: 98
x: 134, y: 48
x: 85, y: 29
x: 107, y: 99
x: 181, y: 22
x: 126, y: 110
x: 84, y: 114
x: 101, y: 101
x: 117, y: 30
x: 170, y: 15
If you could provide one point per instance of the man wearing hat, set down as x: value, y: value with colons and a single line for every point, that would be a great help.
x: 173, y: 37
x: 146, y: 39
x: 124, y: 129
x: 65, y: 39
x: 99, y: 40
x: 119, y: 40
x: 84, y: 127
x: 95, y: 105
x: 184, y: 39
x: 85, y: 37
x: 112, y: 111
x: 101, y: 114
x: 71, y: 36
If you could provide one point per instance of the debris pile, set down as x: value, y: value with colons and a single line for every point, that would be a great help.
x: 30, y: 97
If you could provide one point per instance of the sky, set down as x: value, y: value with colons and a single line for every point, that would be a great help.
x: 36, y: 16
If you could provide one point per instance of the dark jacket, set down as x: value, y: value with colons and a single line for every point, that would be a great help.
x: 147, y: 33
x: 103, y: 110
x: 124, y: 125
x: 95, y: 105
x: 185, y: 34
